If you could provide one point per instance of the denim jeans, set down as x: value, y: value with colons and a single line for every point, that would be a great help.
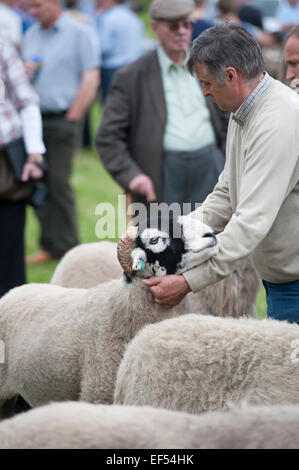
x: 283, y: 301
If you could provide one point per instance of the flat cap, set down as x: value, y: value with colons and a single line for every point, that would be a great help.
x: 171, y: 9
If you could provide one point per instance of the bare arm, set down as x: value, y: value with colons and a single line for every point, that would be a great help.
x: 88, y: 88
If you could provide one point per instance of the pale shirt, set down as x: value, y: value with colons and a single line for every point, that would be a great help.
x: 66, y: 51
x: 288, y: 14
x: 188, y: 124
x: 10, y: 25
x: 255, y: 204
x: 121, y: 35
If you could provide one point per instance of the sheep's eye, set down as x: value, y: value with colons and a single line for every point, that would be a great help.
x: 154, y: 240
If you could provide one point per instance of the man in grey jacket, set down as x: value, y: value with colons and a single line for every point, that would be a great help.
x: 159, y: 137
x: 255, y: 205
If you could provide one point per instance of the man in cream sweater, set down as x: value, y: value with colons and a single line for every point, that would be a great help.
x: 255, y: 205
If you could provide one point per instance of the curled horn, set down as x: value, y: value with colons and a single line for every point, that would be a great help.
x: 125, y: 245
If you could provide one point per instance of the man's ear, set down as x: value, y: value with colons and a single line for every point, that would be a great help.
x: 230, y: 74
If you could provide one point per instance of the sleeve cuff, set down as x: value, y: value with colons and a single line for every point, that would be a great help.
x: 200, y: 277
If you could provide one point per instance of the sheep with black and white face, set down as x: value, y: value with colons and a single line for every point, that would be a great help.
x: 90, y: 264
x: 66, y: 344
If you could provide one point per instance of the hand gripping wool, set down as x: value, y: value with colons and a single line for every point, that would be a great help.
x: 199, y: 363
x: 66, y: 344
x: 86, y: 426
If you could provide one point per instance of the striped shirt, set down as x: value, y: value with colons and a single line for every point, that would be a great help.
x: 246, y: 107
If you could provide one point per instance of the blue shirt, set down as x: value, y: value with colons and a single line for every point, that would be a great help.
x: 121, y: 35
x: 288, y: 14
x: 66, y: 51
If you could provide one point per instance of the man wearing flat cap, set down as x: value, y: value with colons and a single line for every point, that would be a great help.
x: 159, y: 137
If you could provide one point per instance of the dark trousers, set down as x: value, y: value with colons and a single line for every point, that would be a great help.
x: 191, y: 176
x: 59, y: 232
x: 283, y: 301
x: 12, y: 269
x: 106, y: 79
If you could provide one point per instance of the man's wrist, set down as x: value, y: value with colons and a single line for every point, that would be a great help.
x: 188, y: 288
x: 35, y: 158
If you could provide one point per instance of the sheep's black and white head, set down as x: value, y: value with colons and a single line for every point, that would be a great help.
x: 159, y: 247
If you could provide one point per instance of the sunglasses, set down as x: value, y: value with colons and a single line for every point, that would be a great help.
x: 175, y: 25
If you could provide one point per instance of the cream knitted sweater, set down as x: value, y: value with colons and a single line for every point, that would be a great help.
x: 255, y: 204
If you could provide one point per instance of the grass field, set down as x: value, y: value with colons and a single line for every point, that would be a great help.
x: 92, y: 185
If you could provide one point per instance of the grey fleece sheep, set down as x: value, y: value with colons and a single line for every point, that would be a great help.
x: 200, y: 363
x: 89, y: 264
x: 66, y: 344
x: 86, y: 426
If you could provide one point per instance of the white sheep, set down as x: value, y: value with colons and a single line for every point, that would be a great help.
x: 88, y: 265
x: 234, y: 296
x: 66, y: 344
x: 74, y: 425
x: 199, y: 363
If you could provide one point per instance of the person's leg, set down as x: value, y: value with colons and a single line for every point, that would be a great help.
x: 174, y: 171
x: 86, y: 137
x: 204, y: 167
x: 106, y: 79
x: 12, y: 268
x: 283, y: 301
x: 57, y: 217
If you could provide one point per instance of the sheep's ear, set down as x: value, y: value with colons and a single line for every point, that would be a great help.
x: 193, y: 232
x: 139, y: 259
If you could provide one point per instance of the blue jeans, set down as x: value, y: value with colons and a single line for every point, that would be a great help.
x: 283, y: 301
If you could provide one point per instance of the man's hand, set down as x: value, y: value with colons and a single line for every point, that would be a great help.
x: 31, y: 169
x: 73, y: 114
x: 168, y: 290
x: 142, y: 184
x: 30, y: 69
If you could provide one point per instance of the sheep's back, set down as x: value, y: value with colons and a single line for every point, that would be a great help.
x: 88, y: 265
x: 85, y: 426
x: 197, y: 363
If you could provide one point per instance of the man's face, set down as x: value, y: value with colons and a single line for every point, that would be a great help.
x: 175, y: 35
x: 292, y: 59
x: 44, y: 11
x: 222, y: 95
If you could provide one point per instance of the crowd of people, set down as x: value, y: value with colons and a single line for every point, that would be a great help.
x: 217, y: 130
